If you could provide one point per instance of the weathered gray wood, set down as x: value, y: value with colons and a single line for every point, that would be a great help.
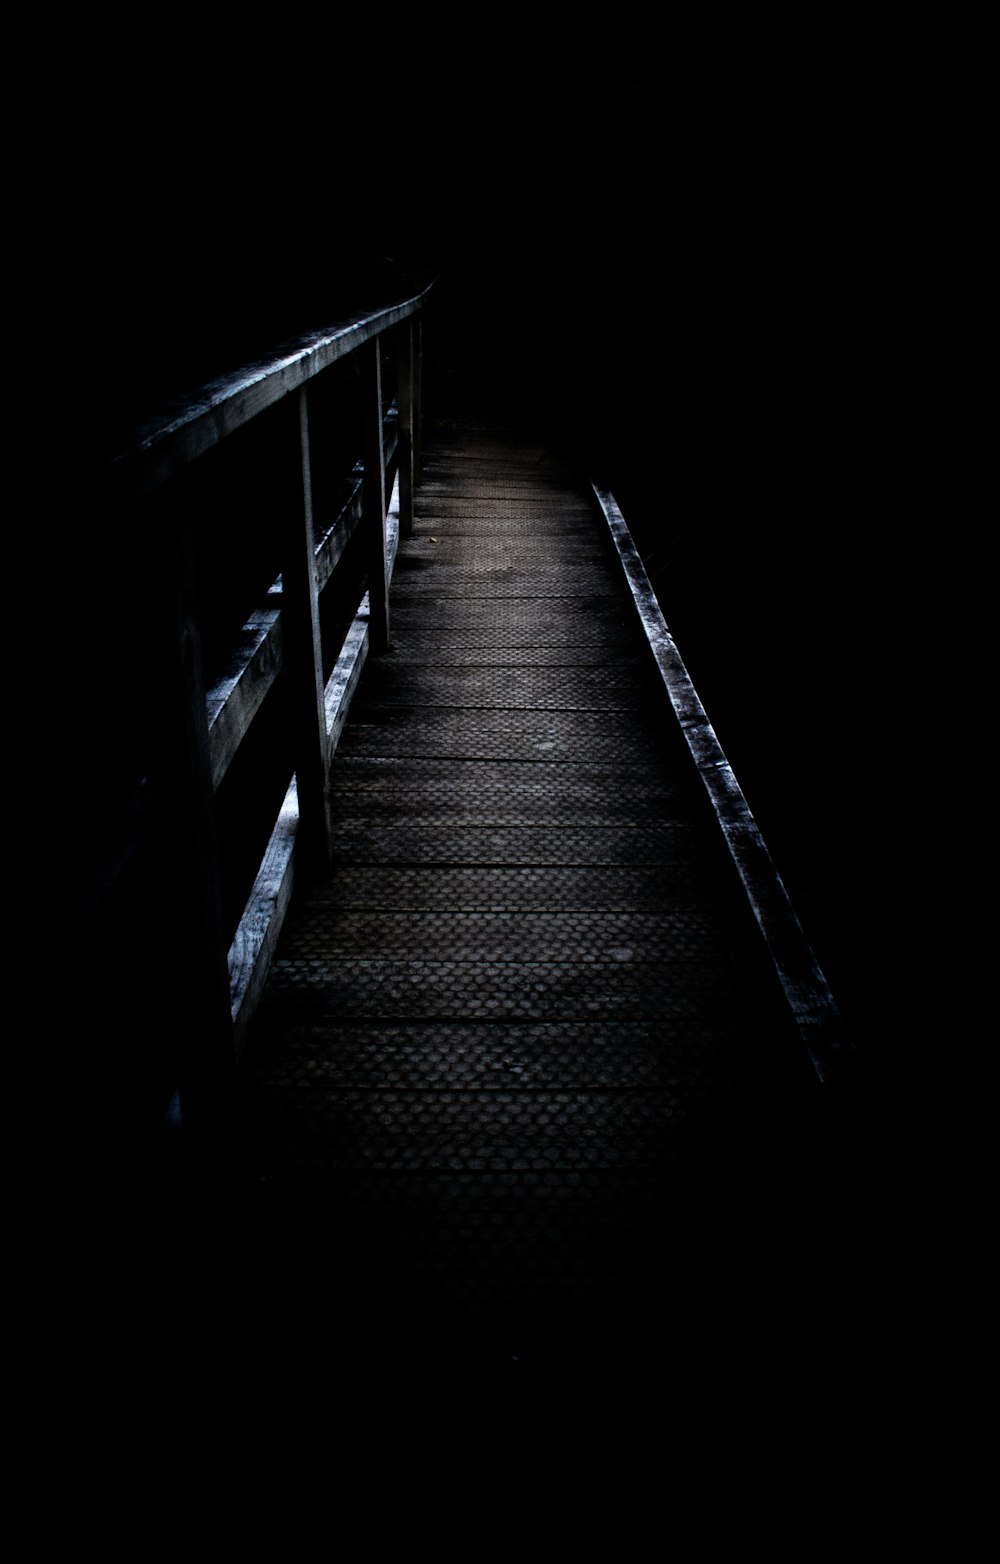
x: 344, y: 679
x: 802, y: 980
x: 392, y: 530
x: 417, y: 379
x: 374, y: 497
x: 235, y: 700
x: 406, y: 441
x: 332, y: 545
x: 256, y: 937
x: 218, y: 975
x: 173, y: 439
x: 305, y: 662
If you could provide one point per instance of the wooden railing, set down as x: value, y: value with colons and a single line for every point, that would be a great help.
x: 266, y: 502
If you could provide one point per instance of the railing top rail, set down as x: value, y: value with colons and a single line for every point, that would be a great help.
x: 176, y: 435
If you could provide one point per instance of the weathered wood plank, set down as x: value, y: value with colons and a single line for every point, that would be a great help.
x: 466, y: 1056
x: 305, y: 661
x: 669, y: 843
x: 629, y: 937
x: 513, y: 887
x: 417, y: 381
x: 550, y: 688
x: 343, y: 682
x: 473, y: 792
x: 395, y: 989
x: 234, y: 700
x: 802, y: 980
x: 256, y: 938
x: 437, y: 733
x: 406, y: 438
x: 374, y: 497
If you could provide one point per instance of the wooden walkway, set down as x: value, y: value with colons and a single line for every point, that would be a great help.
x: 522, y: 1071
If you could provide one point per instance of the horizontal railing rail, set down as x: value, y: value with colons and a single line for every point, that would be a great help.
x: 271, y: 501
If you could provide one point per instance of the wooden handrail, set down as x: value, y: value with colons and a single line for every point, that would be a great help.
x: 173, y: 437
x: 293, y: 661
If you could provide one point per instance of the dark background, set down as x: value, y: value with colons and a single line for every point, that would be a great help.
x: 689, y: 257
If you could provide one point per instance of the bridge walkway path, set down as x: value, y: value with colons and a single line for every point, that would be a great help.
x: 521, y: 1077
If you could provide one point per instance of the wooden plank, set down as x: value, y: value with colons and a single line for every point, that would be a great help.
x: 374, y: 497
x: 406, y: 442
x: 417, y: 378
x: 803, y: 983
x: 392, y: 528
x: 305, y: 663
x: 256, y: 938
x: 234, y: 700
x: 344, y: 679
x: 343, y: 683
x: 332, y: 545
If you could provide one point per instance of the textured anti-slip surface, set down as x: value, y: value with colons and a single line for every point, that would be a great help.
x: 520, y: 1069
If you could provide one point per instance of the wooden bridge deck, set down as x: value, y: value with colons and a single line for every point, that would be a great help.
x: 521, y: 1067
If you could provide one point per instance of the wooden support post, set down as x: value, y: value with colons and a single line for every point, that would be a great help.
x: 197, y: 995
x: 405, y: 437
x: 374, y: 496
x: 300, y: 611
x: 417, y: 384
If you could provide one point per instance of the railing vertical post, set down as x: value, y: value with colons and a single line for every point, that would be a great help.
x: 374, y: 497
x: 300, y: 610
x: 417, y: 378
x: 405, y: 448
x: 205, y: 1042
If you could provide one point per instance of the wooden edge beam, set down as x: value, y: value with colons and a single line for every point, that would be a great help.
x: 254, y: 942
x: 235, y: 699
x: 343, y: 681
x: 337, y: 537
x: 813, y: 1008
